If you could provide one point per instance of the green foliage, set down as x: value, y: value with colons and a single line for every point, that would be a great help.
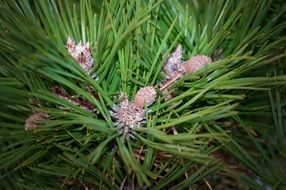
x: 234, y: 107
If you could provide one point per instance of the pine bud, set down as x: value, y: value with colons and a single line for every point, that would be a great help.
x: 34, y: 121
x: 81, y: 53
x: 145, y: 96
x: 127, y: 116
x: 174, y: 65
x: 196, y: 63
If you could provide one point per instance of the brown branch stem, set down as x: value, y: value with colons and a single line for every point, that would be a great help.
x: 170, y: 82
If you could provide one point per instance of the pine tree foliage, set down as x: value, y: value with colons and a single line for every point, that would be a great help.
x: 224, y: 122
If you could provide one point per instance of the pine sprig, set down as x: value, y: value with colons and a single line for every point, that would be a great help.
x: 79, y: 143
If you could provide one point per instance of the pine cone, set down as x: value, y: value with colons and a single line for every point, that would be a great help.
x: 34, y: 121
x: 196, y: 63
x: 145, y: 96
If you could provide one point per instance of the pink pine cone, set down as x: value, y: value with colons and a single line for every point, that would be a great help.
x: 34, y: 121
x: 145, y: 96
x: 196, y: 63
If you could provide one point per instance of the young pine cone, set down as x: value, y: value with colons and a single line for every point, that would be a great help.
x: 35, y: 120
x: 145, y: 96
x: 196, y: 63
